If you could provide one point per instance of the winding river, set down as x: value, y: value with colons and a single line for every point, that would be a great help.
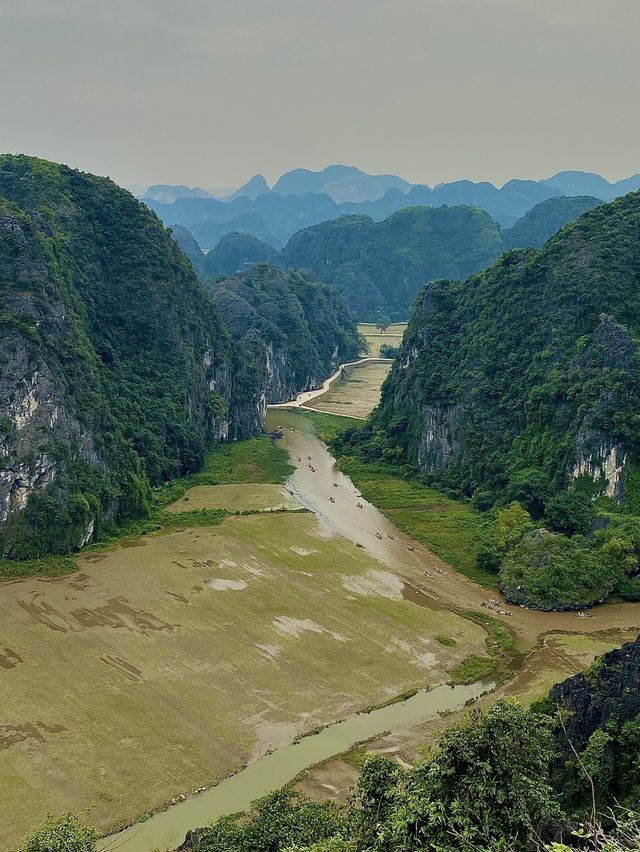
x: 315, y: 480
x: 167, y: 829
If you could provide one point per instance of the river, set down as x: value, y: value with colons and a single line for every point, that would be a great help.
x: 167, y: 829
x: 317, y: 479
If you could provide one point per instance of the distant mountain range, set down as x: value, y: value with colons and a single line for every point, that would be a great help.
x: 379, y: 267
x: 301, y: 198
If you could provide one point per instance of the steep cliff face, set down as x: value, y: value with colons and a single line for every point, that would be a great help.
x: 597, y: 732
x: 526, y: 375
x: 115, y: 369
x: 610, y: 693
x: 290, y: 332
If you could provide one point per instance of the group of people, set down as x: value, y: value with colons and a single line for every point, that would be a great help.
x: 495, y: 606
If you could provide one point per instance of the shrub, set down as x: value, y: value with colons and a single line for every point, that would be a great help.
x: 62, y: 834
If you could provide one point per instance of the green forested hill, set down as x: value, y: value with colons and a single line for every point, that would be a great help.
x: 545, y: 219
x: 116, y: 369
x: 523, y: 382
x: 190, y: 247
x: 290, y: 331
x: 236, y: 249
x: 379, y: 267
x: 527, y: 367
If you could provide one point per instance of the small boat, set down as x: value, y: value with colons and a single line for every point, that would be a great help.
x: 331, y: 500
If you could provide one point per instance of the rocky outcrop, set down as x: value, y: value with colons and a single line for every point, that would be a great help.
x: 589, y: 701
x: 603, y: 459
x: 116, y: 372
x: 438, y: 442
x: 290, y: 333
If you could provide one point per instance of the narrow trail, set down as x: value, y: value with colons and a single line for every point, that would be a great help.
x: 302, y: 399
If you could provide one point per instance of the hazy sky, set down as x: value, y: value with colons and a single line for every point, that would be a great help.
x: 209, y: 92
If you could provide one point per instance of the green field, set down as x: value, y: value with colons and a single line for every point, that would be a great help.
x: 452, y: 530
x: 168, y: 661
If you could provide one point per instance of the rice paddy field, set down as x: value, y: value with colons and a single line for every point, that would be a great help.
x: 392, y: 336
x: 168, y: 661
x: 357, y: 393
x: 174, y: 659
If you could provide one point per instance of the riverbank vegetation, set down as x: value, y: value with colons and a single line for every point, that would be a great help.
x: 256, y: 460
x: 540, y: 415
x: 557, y: 777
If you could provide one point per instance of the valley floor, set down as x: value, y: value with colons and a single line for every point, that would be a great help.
x: 391, y: 336
x: 175, y: 659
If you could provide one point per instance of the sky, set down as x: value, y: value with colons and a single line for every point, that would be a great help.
x: 209, y: 92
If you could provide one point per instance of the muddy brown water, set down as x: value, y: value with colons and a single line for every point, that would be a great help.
x: 315, y: 480
x: 167, y: 829
x: 448, y: 589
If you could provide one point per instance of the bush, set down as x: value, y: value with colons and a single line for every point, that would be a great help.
x: 511, y: 525
x: 387, y: 351
x: 62, y: 834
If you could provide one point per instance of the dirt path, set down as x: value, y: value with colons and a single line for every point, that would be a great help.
x: 303, y: 399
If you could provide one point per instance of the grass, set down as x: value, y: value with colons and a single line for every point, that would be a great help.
x: 356, y: 756
x: 472, y: 669
x: 171, y: 664
x: 48, y: 566
x: 499, y: 634
x: 327, y: 425
x: 194, y: 518
x: 447, y: 641
x: 452, y: 530
x: 257, y: 460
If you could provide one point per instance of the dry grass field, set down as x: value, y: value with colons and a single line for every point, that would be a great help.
x: 171, y: 661
x: 235, y: 498
x: 392, y: 336
x: 357, y: 394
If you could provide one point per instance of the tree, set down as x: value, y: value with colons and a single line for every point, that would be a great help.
x: 550, y: 572
x: 62, y: 834
x: 282, y: 820
x: 387, y: 351
x: 511, y: 525
x: 486, y: 787
x: 383, y: 322
x: 570, y: 513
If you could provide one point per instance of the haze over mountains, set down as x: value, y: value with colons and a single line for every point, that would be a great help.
x: 302, y: 197
x: 379, y: 267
